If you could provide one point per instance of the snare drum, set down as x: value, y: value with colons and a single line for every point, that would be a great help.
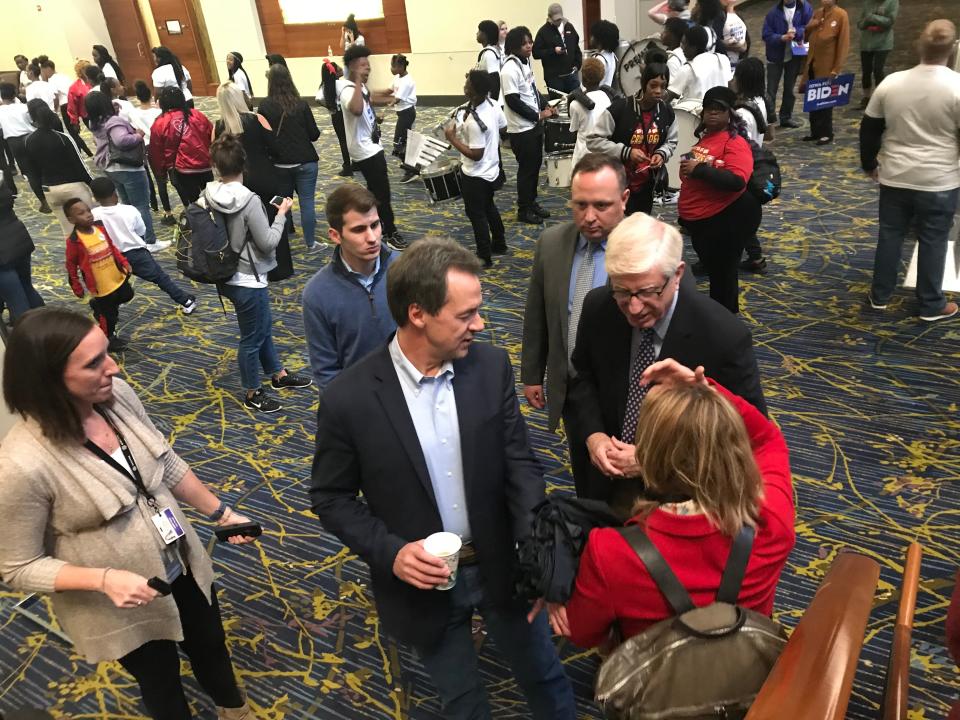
x: 557, y: 136
x: 559, y: 169
x: 442, y: 180
x: 688, y: 117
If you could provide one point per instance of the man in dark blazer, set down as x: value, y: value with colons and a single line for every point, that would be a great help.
x: 598, y: 198
x: 429, y: 429
x: 645, y: 293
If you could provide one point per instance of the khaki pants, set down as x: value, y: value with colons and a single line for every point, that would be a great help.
x: 57, y: 195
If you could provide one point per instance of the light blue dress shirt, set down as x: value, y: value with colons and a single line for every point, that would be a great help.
x: 365, y: 280
x: 433, y: 408
x: 599, y: 268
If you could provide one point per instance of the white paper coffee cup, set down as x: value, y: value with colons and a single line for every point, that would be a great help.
x: 445, y: 546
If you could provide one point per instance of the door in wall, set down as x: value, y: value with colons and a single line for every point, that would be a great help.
x: 181, y: 28
x: 131, y: 49
x: 591, y: 13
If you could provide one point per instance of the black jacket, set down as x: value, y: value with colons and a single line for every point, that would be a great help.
x: 367, y: 442
x: 55, y: 157
x: 295, y: 132
x: 548, y: 38
x: 625, y: 112
x: 701, y: 332
x: 15, y: 240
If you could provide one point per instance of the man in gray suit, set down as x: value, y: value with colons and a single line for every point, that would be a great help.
x: 569, y: 262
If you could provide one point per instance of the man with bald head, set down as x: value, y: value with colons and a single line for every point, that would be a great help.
x: 646, y: 312
x: 910, y: 144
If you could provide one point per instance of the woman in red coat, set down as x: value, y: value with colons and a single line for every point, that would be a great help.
x: 180, y: 145
x: 722, y: 464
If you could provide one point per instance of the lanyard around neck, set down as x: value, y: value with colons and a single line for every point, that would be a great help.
x: 133, y: 472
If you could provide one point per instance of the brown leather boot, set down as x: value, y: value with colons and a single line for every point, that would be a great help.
x: 241, y: 713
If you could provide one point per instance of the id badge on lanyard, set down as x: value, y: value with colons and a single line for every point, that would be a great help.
x: 167, y: 525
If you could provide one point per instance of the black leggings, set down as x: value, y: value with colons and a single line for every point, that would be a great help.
x: 160, y: 185
x: 341, y: 131
x: 106, y: 308
x: 405, y: 120
x: 641, y: 200
x: 74, y: 131
x: 189, y: 186
x: 719, y: 241
x: 156, y: 665
x: 873, y: 63
x: 374, y: 170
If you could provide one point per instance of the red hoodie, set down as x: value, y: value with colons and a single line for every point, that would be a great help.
x: 79, y: 259
x: 175, y: 144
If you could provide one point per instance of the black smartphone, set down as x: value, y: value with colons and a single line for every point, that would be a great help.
x: 276, y: 200
x: 250, y: 529
x: 161, y: 586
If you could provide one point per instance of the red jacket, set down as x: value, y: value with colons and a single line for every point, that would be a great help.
x: 75, y: 97
x: 613, y: 585
x: 79, y: 259
x: 178, y: 145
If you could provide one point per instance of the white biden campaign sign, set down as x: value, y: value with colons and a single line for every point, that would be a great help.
x: 824, y: 93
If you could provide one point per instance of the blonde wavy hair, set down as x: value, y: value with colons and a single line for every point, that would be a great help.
x: 80, y: 66
x: 691, y: 441
x: 233, y: 105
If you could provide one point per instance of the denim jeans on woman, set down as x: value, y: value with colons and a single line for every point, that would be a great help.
x: 256, y: 349
x: 16, y: 287
x: 134, y: 189
x: 303, y: 180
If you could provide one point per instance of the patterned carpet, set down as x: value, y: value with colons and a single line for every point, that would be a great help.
x: 867, y: 400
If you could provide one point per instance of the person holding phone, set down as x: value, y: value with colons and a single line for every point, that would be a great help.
x: 783, y: 35
x: 92, y: 494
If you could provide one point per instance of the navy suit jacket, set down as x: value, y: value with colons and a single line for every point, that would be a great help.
x: 367, y: 442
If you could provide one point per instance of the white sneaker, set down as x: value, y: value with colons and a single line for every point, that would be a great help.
x: 189, y: 306
x: 158, y: 246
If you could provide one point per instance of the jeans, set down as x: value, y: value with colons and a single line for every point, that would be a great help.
x: 106, y: 308
x: 303, y: 180
x: 528, y: 149
x: 405, y: 120
x: 374, y: 170
x: 156, y: 664
x: 719, y: 241
x: 452, y: 665
x: 16, y: 287
x: 789, y: 71
x: 133, y: 189
x: 144, y: 266
x: 873, y: 64
x: 189, y: 186
x: 932, y: 213
x: 482, y: 211
x: 252, y: 306
x: 338, y: 127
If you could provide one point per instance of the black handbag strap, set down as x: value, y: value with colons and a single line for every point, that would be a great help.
x: 667, y: 582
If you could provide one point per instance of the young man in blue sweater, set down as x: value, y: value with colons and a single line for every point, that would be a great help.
x: 345, y: 313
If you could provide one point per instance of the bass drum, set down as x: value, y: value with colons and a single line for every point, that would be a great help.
x: 688, y: 117
x: 630, y: 67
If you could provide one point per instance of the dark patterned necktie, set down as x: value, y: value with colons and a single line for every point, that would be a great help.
x: 644, y: 358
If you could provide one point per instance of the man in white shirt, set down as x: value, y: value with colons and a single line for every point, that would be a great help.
x: 125, y: 227
x: 61, y: 85
x: 363, y: 137
x: 15, y: 125
x: 910, y: 144
x: 522, y: 109
x: 702, y: 71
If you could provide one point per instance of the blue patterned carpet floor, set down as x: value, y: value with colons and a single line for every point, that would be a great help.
x: 867, y: 400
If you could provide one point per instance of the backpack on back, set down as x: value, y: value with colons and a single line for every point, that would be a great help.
x: 765, y: 182
x: 204, y: 253
x: 704, y: 663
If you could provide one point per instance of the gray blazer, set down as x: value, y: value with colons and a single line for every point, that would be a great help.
x: 545, y: 319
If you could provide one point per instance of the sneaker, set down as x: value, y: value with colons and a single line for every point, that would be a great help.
x: 189, y: 306
x: 262, y: 402
x: 396, y: 242
x: 500, y: 249
x: 669, y: 198
x: 408, y: 177
x: 755, y: 265
x: 291, y: 380
x: 313, y: 248
x: 46, y: 209
x: 948, y: 311
x: 874, y: 304
x: 158, y: 246
x: 790, y: 123
x: 826, y: 140
x: 487, y: 262
x: 529, y: 216
x: 345, y: 172
x: 168, y: 220
x: 540, y: 211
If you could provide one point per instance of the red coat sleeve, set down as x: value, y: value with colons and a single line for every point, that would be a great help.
x: 73, y: 266
x: 590, y: 610
x: 159, y: 139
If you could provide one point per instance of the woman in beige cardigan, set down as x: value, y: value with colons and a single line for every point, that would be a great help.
x: 83, y: 476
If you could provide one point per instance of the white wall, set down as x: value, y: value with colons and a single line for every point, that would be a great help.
x: 63, y: 29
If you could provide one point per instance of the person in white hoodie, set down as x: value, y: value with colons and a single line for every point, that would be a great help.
x: 255, y: 239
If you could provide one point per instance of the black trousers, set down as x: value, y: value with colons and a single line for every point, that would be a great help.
x: 341, y: 131
x: 189, y: 186
x: 374, y: 171
x: 156, y: 665
x: 405, y: 120
x: 483, y: 214
x: 719, y: 241
x: 641, y: 200
x: 19, y: 147
x: 8, y: 166
x: 74, y: 131
x: 821, y: 123
x: 158, y: 184
x: 873, y: 64
x: 8, y: 155
x: 106, y: 308
x: 528, y: 149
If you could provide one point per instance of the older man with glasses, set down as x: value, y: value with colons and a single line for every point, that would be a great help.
x: 648, y: 311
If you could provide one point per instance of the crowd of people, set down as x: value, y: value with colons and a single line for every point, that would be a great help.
x: 656, y: 384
